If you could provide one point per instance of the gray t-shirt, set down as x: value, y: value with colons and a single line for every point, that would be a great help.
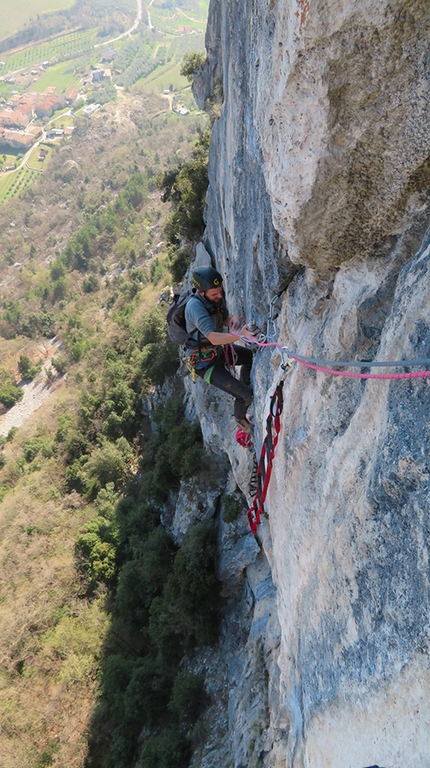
x: 201, y: 315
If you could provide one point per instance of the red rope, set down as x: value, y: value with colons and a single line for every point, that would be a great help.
x: 264, y: 469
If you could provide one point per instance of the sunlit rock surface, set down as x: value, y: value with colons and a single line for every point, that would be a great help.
x: 319, y: 178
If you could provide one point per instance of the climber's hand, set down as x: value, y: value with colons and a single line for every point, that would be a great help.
x: 234, y: 323
x: 248, y: 334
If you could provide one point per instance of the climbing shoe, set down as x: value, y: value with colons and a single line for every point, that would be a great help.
x: 245, y: 424
x: 243, y: 438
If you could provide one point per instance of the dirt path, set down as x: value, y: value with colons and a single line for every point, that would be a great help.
x: 35, y: 393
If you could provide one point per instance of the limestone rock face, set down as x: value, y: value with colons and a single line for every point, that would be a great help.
x: 319, y: 177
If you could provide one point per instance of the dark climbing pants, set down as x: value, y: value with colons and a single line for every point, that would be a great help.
x: 240, y: 388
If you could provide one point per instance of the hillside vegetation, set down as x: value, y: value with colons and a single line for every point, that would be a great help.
x: 98, y: 605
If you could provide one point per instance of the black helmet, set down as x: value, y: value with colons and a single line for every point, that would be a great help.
x: 205, y: 278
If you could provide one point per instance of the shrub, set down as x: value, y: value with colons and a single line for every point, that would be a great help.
x: 10, y: 394
x: 91, y: 284
x: 11, y: 473
x: 108, y: 463
x: 189, y: 607
x: 60, y: 364
x: 159, y: 360
x: 179, y: 260
x: 95, y: 552
x: 142, y: 579
x: 31, y: 449
x: 230, y: 508
x: 188, y: 697
x: 153, y: 327
x: 195, y: 583
x: 185, y: 187
x: 26, y: 367
x: 176, y: 452
x: 147, y: 693
x: 47, y: 756
x: 115, y: 676
x: 170, y: 749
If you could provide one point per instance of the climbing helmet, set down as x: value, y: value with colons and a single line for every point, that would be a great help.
x: 205, y: 278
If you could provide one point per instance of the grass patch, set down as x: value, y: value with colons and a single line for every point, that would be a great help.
x: 173, y: 21
x: 51, y: 639
x: 62, y: 76
x: 161, y: 79
x: 33, y: 161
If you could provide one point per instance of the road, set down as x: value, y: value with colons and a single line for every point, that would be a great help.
x: 135, y: 25
x: 35, y: 392
x: 150, y: 24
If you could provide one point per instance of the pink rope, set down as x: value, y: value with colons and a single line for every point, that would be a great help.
x: 354, y: 375
x: 346, y: 374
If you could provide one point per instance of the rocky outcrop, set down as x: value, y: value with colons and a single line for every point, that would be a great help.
x: 319, y: 179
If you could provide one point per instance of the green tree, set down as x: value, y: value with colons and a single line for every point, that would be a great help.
x: 191, y: 61
x: 108, y: 464
x: 26, y: 367
x: 9, y: 392
x: 185, y: 187
x: 188, y: 697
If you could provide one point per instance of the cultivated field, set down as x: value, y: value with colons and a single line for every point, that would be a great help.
x: 15, y: 183
x: 12, y: 18
x: 61, y: 76
x: 63, y: 47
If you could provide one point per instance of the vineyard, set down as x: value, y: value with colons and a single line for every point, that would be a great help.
x: 16, y: 183
x: 62, y: 48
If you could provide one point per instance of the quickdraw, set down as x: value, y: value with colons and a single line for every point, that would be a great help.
x: 230, y: 357
x: 264, y: 468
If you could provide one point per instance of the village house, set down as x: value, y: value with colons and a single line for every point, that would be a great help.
x: 108, y: 55
x: 16, y: 115
x: 90, y: 109
x: 16, y: 139
x: 98, y: 75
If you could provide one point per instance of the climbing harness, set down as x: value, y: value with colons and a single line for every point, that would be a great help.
x: 264, y: 467
x: 191, y: 361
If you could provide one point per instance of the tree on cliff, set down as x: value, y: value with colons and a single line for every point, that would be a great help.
x: 191, y: 61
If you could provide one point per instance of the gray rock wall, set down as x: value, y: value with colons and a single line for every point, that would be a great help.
x: 319, y: 181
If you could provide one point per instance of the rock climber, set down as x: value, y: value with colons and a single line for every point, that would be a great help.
x: 206, y: 317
